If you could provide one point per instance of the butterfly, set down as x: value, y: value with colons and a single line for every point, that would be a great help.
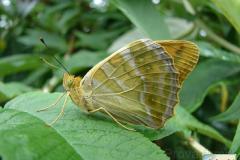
x: 138, y: 84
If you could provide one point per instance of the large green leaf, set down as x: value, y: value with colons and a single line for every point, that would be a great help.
x: 27, y: 137
x: 204, y: 76
x: 89, y: 136
x: 170, y: 127
x: 145, y: 16
x: 12, y: 89
x: 184, y: 122
x: 17, y: 63
x: 235, y: 147
x: 230, y: 9
x: 232, y: 113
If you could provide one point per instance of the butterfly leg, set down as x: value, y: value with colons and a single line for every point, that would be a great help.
x: 52, y: 105
x: 108, y: 113
x: 62, y: 111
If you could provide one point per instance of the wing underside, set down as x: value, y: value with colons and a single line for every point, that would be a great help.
x: 184, y: 53
x: 138, y: 84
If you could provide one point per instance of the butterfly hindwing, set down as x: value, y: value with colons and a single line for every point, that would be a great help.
x: 138, y: 84
x: 184, y: 53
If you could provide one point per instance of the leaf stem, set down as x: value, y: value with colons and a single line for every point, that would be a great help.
x: 217, y: 38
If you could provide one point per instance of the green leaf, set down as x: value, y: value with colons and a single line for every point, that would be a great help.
x: 91, y: 137
x: 178, y: 27
x: 124, y: 39
x: 82, y: 60
x: 235, y: 147
x: 203, y: 77
x: 184, y: 122
x: 98, y: 40
x: 12, y: 89
x: 68, y: 19
x: 208, y: 50
x: 36, y: 75
x: 55, y: 14
x: 232, y: 113
x: 230, y: 10
x: 18, y: 63
x: 169, y: 128
x: 145, y: 16
x: 184, y: 118
x: 52, y: 40
x: 27, y: 137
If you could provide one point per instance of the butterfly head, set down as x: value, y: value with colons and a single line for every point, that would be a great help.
x: 69, y: 81
x: 72, y: 86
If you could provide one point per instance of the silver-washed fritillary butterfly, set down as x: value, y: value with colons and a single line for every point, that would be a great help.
x: 137, y: 84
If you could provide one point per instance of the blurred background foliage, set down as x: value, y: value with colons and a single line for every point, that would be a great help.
x: 83, y: 32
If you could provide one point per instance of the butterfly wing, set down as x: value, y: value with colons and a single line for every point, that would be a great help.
x: 185, y: 55
x: 137, y: 84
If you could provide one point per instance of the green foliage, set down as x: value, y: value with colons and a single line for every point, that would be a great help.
x: 205, y: 75
x: 12, y: 89
x: 82, y: 33
x: 230, y: 9
x: 135, y: 11
x: 77, y: 62
x: 36, y: 139
x: 77, y: 134
x: 235, y: 148
x: 18, y: 63
x: 232, y: 113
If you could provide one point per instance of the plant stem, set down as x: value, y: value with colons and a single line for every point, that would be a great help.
x: 217, y: 38
x: 49, y: 86
x: 198, y: 147
x: 224, y: 97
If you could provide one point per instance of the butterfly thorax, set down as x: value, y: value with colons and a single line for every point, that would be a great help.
x: 72, y: 85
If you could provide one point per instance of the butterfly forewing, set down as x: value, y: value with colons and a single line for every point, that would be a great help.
x: 138, y: 84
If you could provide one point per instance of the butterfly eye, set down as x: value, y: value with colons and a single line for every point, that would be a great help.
x: 70, y: 81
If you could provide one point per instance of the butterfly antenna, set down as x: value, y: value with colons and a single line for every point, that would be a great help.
x: 42, y: 40
x: 59, y: 62
x: 48, y: 63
